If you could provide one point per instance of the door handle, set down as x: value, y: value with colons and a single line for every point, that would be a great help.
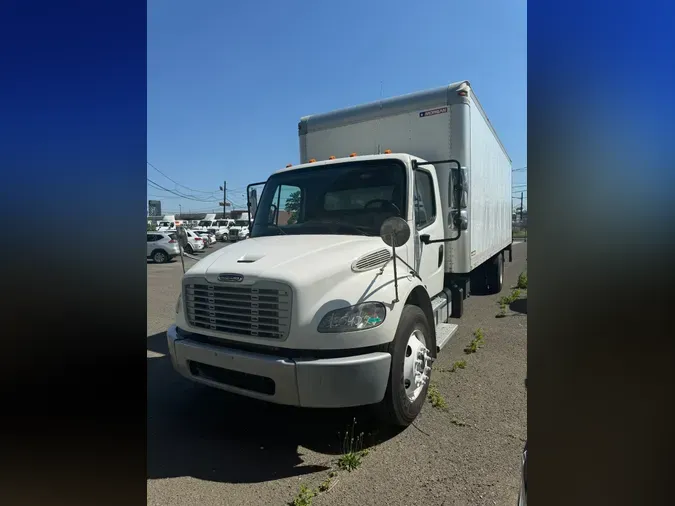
x: 440, y: 255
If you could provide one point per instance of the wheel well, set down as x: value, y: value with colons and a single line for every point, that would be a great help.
x: 420, y: 298
x: 160, y: 250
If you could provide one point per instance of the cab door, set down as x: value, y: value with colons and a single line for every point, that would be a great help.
x: 429, y: 258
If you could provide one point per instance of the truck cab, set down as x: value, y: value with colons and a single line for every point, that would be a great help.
x: 168, y: 224
x: 205, y: 224
x: 221, y: 228
x: 239, y: 230
x: 343, y: 294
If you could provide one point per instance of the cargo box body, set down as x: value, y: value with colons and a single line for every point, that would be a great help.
x: 440, y: 124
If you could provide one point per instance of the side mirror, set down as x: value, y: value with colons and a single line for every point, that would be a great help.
x: 460, y: 219
x: 395, y: 231
x: 253, y: 193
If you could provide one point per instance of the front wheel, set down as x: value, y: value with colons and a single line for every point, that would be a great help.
x: 411, y: 357
x: 160, y: 257
x: 188, y: 249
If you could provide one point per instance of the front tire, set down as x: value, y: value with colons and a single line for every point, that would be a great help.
x: 408, y: 379
x: 160, y: 257
x: 188, y: 249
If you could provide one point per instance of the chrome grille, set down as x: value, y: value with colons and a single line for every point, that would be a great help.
x: 371, y: 260
x: 234, y: 232
x: 262, y: 310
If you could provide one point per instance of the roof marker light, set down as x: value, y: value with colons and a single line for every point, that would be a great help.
x: 387, y: 151
x: 331, y: 157
x: 289, y: 165
x: 352, y: 155
x: 312, y: 160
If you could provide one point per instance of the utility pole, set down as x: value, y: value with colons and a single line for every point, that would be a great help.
x: 521, y: 206
x: 180, y: 211
x: 224, y: 202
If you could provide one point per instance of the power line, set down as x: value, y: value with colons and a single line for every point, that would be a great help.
x: 175, y: 192
x: 178, y: 184
x: 519, y: 169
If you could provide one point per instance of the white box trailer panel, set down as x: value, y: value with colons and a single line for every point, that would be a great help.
x: 440, y: 124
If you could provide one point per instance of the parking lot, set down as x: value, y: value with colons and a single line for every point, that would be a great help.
x: 208, y: 447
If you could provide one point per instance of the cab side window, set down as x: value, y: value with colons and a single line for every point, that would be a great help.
x: 425, y: 204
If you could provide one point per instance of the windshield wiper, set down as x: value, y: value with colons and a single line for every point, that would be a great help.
x: 338, y: 223
x: 277, y: 227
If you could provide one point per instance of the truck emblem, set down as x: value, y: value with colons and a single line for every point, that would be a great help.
x: 232, y: 278
x: 433, y: 112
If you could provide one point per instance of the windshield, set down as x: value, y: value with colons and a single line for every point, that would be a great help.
x: 222, y: 223
x: 241, y: 223
x: 205, y: 223
x: 352, y: 198
x: 164, y: 223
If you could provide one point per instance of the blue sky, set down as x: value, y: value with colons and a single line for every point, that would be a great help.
x: 228, y: 81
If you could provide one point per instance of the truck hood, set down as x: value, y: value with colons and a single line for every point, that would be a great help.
x: 299, y: 260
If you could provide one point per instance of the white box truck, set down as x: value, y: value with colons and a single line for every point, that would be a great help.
x: 167, y: 224
x: 357, y: 259
x: 221, y: 228
x: 206, y: 223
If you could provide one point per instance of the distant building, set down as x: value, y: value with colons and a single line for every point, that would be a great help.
x: 154, y: 208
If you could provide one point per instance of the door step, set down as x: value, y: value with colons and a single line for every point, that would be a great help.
x: 444, y: 332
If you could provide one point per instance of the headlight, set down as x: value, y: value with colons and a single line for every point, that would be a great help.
x: 360, y: 317
x: 178, y: 303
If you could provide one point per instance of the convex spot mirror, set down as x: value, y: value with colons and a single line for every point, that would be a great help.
x: 395, y: 231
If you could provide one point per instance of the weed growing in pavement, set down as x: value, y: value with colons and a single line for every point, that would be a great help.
x: 506, y: 300
x: 352, y: 450
x: 502, y: 308
x: 522, y: 280
x: 460, y: 364
x: 304, y: 497
x: 458, y: 423
x: 435, y: 397
x: 350, y: 461
x: 476, y: 343
x: 325, y: 484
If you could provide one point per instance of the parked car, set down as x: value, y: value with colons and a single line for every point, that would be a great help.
x: 209, y: 238
x: 195, y: 242
x: 162, y: 246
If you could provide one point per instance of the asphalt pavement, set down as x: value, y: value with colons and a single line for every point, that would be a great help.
x: 209, y: 447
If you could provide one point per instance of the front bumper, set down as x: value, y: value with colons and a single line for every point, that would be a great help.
x: 313, y: 383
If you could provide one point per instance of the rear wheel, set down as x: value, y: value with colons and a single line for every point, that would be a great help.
x: 411, y: 358
x: 495, y: 277
x: 188, y: 249
x: 160, y: 257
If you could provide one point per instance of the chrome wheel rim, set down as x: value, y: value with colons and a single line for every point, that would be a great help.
x: 416, y: 365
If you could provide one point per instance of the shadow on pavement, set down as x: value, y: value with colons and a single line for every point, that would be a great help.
x: 197, y: 431
x: 519, y: 306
